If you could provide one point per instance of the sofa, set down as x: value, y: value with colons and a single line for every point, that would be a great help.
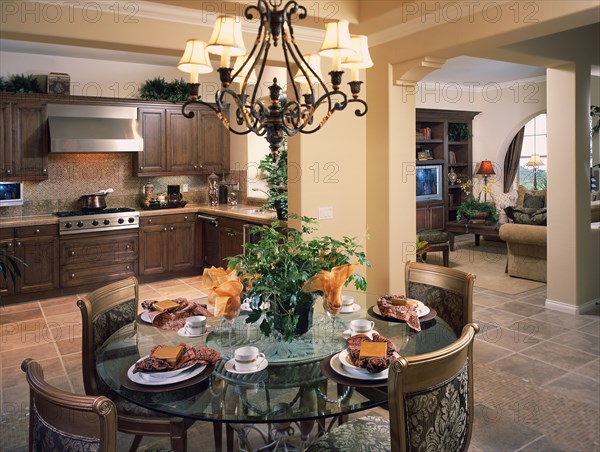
x: 526, y: 237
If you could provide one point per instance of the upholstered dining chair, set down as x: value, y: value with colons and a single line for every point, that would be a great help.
x: 103, y: 312
x: 448, y: 291
x: 430, y: 399
x: 62, y: 421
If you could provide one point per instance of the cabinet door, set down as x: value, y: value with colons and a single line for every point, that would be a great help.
x: 154, y: 157
x: 6, y: 287
x: 154, y: 249
x: 231, y: 239
x: 182, y: 246
x: 6, y: 141
x: 31, y: 141
x: 422, y: 217
x: 41, y: 256
x: 436, y: 217
x: 214, y: 137
x: 182, y: 142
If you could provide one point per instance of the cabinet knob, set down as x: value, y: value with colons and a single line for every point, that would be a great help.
x: 72, y: 253
x: 37, y: 231
x: 141, y: 168
x: 149, y: 220
x: 8, y: 171
x: 165, y: 229
x: 172, y: 228
x: 45, y: 170
x: 9, y: 244
x: 18, y: 243
x: 128, y: 268
x: 128, y: 247
x: 185, y: 218
x: 195, y: 166
x: 72, y: 275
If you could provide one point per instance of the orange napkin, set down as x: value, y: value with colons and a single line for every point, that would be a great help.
x: 330, y: 283
x: 223, y: 291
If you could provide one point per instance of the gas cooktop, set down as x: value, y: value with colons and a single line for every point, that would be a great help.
x: 77, y: 213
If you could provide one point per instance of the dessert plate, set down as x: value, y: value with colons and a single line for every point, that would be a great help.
x: 422, y: 310
x: 166, y: 374
x: 230, y: 367
x: 144, y: 378
x: 145, y: 316
x: 337, y: 367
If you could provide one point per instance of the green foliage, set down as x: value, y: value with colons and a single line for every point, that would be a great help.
x: 274, y: 269
x: 458, y: 131
x: 274, y: 171
x: 595, y: 114
x: 2, y: 84
x: 9, y: 266
x: 472, y: 205
x: 159, y: 89
x: 20, y: 83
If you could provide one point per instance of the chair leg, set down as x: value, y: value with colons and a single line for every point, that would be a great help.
x: 218, y: 432
x: 178, y: 437
x: 229, y: 434
x: 446, y: 257
x: 136, y: 443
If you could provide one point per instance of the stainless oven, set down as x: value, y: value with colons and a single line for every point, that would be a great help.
x: 11, y: 194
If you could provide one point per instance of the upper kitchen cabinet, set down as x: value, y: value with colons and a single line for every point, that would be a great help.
x: 24, y: 139
x: 174, y: 144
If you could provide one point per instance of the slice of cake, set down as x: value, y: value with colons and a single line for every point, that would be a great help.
x: 369, y: 349
x: 170, y: 354
x: 165, y: 305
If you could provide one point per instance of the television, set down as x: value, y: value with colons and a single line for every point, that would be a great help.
x: 429, y: 183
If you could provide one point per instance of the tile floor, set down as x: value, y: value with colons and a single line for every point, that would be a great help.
x: 537, y: 371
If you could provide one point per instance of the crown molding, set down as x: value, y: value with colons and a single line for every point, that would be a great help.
x: 458, y: 85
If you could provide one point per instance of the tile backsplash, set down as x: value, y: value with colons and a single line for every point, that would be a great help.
x: 73, y: 175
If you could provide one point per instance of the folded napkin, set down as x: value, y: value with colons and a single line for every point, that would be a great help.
x: 403, y: 312
x: 330, y: 283
x: 174, y: 319
x: 372, y: 365
x: 191, y: 355
x: 224, y: 291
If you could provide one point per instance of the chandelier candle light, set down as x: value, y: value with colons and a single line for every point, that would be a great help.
x: 278, y: 115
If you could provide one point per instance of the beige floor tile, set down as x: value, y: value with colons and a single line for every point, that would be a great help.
x: 563, y: 320
x: 538, y: 299
x: 28, y: 314
x: 13, y: 358
x: 591, y: 370
x: 528, y: 369
x: 61, y: 306
x: 68, y: 346
x: 499, y: 317
x: 577, y: 387
x: 533, y: 331
x: 489, y: 300
x: 24, y: 334
x: 579, y: 340
x: 163, y: 284
x: 558, y: 355
x: 520, y: 308
x: 485, y: 352
x: 592, y: 328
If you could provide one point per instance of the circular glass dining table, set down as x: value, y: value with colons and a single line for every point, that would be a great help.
x: 292, y: 388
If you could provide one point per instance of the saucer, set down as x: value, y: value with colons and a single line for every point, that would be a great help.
x: 230, y: 367
x: 353, y: 308
x: 145, y: 316
x: 184, y: 333
x: 348, y: 333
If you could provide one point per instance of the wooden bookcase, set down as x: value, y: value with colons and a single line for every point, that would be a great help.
x: 432, y: 128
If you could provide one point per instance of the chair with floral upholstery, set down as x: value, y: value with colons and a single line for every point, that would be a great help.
x: 430, y: 400
x: 448, y: 291
x: 103, y: 312
x: 60, y: 420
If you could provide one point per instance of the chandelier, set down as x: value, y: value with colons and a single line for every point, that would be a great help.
x: 277, y: 114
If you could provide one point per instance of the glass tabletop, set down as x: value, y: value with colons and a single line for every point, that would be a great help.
x: 292, y: 386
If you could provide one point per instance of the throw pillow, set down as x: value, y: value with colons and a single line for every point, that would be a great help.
x: 534, y: 201
x: 524, y: 215
x: 522, y: 190
x: 510, y: 213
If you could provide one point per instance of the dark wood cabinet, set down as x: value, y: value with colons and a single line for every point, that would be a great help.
x: 430, y: 216
x: 453, y: 154
x: 231, y: 239
x: 24, y: 139
x: 37, y: 246
x: 7, y: 244
x: 97, y: 257
x: 167, y: 244
x: 174, y: 144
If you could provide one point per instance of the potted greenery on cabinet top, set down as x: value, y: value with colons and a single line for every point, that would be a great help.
x: 458, y: 131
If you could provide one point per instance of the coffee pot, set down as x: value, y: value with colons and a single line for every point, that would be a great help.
x: 174, y: 193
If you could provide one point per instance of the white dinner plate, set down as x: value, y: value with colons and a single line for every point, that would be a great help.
x: 230, y: 367
x: 348, y: 365
x: 166, y: 374
x: 348, y: 310
x: 151, y: 381
x: 184, y: 333
x: 422, y: 310
x: 337, y: 367
x: 145, y: 316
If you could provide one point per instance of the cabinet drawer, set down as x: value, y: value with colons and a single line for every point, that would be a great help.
x: 231, y: 223
x: 167, y: 219
x: 97, y: 274
x: 98, y: 250
x: 6, y: 233
x: 35, y: 231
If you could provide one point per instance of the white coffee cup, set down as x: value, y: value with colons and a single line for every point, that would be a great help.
x: 347, y: 301
x: 195, y: 324
x: 247, y: 358
x: 361, y: 326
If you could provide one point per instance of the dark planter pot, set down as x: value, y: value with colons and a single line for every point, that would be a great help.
x: 304, y: 314
x: 479, y: 215
x: 281, y: 211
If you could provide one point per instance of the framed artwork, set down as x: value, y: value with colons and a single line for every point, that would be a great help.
x: 422, y: 155
x: 429, y: 154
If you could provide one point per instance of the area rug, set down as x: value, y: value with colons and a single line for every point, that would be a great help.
x: 487, y: 262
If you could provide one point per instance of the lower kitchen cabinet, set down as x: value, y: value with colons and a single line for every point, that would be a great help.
x: 231, y: 239
x: 7, y: 245
x: 98, y: 257
x: 37, y: 246
x: 167, y: 243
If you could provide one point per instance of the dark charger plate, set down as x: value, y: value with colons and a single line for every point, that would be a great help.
x: 332, y: 375
x: 127, y: 383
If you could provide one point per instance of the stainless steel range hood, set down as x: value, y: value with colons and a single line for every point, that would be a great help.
x: 91, y: 128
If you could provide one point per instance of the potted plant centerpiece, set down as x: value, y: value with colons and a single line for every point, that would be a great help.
x: 474, y: 208
x: 274, y: 270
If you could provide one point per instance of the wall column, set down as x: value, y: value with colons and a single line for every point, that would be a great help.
x: 573, y: 248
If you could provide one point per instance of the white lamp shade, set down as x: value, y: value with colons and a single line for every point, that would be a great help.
x: 195, y: 58
x: 314, y: 61
x: 337, y: 40
x: 361, y: 57
x: 535, y: 160
x: 242, y: 75
x: 227, y: 35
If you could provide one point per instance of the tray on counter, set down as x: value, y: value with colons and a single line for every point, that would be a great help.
x: 166, y: 205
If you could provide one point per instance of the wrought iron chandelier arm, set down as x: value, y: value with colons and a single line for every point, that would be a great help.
x: 358, y: 112
x: 191, y: 114
x: 242, y: 115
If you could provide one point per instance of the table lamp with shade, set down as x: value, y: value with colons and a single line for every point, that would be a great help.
x: 535, y: 161
x: 486, y: 169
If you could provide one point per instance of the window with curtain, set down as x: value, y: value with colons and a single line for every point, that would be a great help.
x: 534, y: 154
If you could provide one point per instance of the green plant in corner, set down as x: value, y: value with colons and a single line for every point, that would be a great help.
x: 9, y: 267
x: 475, y: 207
x: 274, y: 269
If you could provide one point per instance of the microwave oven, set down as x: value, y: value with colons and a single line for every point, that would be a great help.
x: 11, y: 194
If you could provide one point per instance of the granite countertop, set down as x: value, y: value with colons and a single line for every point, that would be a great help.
x: 241, y: 212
